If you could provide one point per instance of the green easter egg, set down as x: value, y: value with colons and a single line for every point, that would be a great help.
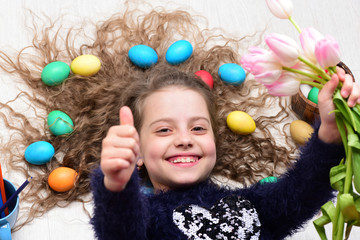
x: 55, y: 73
x: 59, y: 123
x: 270, y: 179
x: 313, y: 95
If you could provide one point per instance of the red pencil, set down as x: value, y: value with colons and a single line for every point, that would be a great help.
x: 2, y: 188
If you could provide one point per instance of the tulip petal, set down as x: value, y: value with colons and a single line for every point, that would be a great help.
x: 280, y: 8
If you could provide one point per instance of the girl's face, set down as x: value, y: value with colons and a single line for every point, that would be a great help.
x: 176, y: 138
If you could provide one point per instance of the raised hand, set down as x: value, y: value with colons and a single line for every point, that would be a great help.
x: 120, y: 150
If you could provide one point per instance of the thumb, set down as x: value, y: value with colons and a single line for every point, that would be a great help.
x: 329, y: 88
x: 126, y: 116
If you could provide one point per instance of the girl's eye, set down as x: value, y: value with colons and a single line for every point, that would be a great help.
x: 163, y: 130
x: 198, y: 129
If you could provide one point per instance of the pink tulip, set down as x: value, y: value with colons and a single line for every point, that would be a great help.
x: 327, y: 52
x: 308, y: 38
x: 284, y: 47
x: 286, y: 85
x: 262, y: 64
x: 306, y: 69
x: 280, y: 8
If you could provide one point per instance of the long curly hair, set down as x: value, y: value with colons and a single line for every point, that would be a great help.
x: 93, y: 102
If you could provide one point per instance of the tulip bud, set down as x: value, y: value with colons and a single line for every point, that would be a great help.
x: 308, y: 38
x: 327, y: 52
x: 284, y: 47
x: 280, y: 8
x: 262, y: 64
x: 286, y: 85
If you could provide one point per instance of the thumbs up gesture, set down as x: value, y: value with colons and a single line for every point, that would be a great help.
x: 120, y: 149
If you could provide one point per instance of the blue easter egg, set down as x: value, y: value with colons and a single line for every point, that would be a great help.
x: 179, y: 52
x: 143, y: 56
x: 39, y: 153
x: 232, y: 73
x: 59, y: 123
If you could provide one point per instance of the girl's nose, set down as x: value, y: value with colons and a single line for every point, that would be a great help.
x: 183, y: 140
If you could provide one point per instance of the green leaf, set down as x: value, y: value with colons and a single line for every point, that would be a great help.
x: 353, y: 140
x: 337, y: 177
x: 342, y: 130
x: 348, y: 208
x: 356, y: 168
x: 346, y: 111
x: 329, y: 213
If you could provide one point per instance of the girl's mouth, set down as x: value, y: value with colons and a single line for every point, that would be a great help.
x: 184, y: 161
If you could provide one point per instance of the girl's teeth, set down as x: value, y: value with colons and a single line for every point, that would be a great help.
x: 184, y: 160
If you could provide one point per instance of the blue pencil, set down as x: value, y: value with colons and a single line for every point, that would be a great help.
x: 15, y: 194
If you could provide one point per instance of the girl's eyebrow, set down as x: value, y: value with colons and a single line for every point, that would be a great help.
x: 193, y: 119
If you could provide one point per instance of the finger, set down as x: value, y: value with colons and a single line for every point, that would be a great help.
x: 114, y: 165
x: 354, y: 96
x: 126, y: 116
x: 125, y: 154
x: 341, y: 74
x: 347, y: 86
x: 329, y: 88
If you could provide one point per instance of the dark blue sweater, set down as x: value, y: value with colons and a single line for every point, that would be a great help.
x: 206, y: 211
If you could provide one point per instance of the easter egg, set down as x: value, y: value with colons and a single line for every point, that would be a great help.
x: 39, y: 153
x: 55, y: 73
x: 240, y: 122
x: 59, y: 123
x: 179, y: 52
x: 143, y: 56
x: 206, y: 77
x: 62, y: 179
x: 85, y: 65
x: 300, y: 131
x: 313, y: 95
x: 232, y: 73
x: 270, y: 179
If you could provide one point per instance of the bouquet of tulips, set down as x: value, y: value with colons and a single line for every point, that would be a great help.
x: 282, y: 69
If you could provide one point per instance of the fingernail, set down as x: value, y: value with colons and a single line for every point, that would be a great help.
x: 344, y: 93
x: 351, y: 103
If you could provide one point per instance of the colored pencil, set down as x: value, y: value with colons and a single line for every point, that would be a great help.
x: 15, y: 194
x: 2, y: 189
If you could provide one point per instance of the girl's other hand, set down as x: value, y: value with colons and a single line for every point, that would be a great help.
x: 350, y: 90
x: 120, y: 150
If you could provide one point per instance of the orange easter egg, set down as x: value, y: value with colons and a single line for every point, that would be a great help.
x: 62, y: 179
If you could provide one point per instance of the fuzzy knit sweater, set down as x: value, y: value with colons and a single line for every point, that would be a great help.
x: 207, y: 211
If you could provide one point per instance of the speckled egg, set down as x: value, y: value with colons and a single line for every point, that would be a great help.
x: 300, y: 131
x: 240, y: 122
x: 179, y: 52
x: 206, y: 77
x: 39, y: 153
x: 62, y: 179
x: 60, y: 123
x: 86, y: 65
x: 232, y: 73
x: 55, y: 73
x: 143, y: 56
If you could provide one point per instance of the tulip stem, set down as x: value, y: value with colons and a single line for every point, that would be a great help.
x: 312, y: 76
x: 321, y: 71
x: 295, y: 24
x: 314, y: 84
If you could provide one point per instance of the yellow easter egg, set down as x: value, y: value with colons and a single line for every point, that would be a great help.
x: 85, y: 65
x: 240, y: 122
x: 300, y: 131
x: 62, y: 179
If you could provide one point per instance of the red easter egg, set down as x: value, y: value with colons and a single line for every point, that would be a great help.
x: 206, y: 77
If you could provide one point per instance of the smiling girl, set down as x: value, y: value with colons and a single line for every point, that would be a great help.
x: 172, y: 138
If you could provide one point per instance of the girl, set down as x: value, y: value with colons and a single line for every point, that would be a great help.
x: 168, y: 130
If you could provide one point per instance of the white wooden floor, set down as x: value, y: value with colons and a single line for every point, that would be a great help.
x: 240, y: 17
